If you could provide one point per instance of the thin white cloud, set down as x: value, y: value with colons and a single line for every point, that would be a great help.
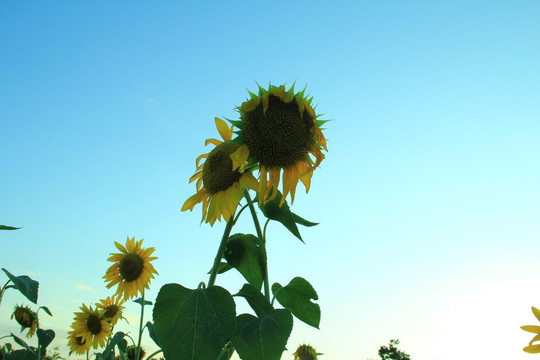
x: 83, y: 287
x: 31, y: 273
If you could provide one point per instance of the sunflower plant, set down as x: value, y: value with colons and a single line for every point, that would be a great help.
x: 277, y: 140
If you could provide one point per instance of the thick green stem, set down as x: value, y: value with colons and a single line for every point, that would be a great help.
x: 263, y: 242
x: 138, y: 350
x: 221, y: 249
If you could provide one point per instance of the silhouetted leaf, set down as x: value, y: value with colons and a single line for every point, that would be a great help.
x: 5, y: 227
x: 25, y: 285
x: 45, y: 338
x: 245, y: 253
x: 255, y: 299
x: 296, y: 296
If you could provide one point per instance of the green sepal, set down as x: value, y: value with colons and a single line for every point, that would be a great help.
x: 239, y: 140
x: 296, y: 296
x: 263, y: 338
x: 152, y: 332
x: 46, y: 309
x: 5, y: 227
x: 237, y: 123
x: 245, y: 253
x: 255, y: 299
x: 45, y: 337
x: 25, y: 285
x: 140, y: 301
x: 194, y: 324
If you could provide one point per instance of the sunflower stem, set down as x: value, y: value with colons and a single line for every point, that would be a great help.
x: 138, y: 350
x: 221, y: 249
x: 263, y: 242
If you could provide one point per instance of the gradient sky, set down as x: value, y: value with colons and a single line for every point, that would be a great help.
x: 428, y: 198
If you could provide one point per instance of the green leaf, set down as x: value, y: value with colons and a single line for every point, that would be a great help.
x: 194, y: 324
x: 223, y: 267
x: 25, y: 285
x: 296, y: 296
x: 21, y: 355
x: 152, y: 333
x: 22, y: 343
x: 227, y: 352
x: 245, y: 253
x: 140, y: 301
x: 263, y: 338
x: 108, y: 352
x: 302, y: 221
x: 46, y: 309
x: 5, y: 227
x: 255, y: 299
x: 45, y: 337
x: 283, y: 214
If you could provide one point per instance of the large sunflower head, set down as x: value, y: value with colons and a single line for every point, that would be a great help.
x: 111, y: 308
x: 305, y: 352
x: 219, y: 186
x: 77, y: 344
x: 132, y: 269
x: 27, y: 318
x: 92, y: 328
x: 279, y: 129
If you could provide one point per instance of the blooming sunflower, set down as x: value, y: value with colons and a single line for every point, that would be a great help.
x: 219, y: 186
x: 305, y: 352
x: 132, y: 269
x: 92, y: 328
x: 112, y: 308
x: 535, y: 329
x: 280, y: 130
x: 27, y: 318
x: 77, y: 344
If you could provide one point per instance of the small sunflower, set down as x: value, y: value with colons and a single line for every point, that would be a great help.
x: 91, y: 327
x: 305, y: 352
x: 27, y: 318
x: 132, y: 269
x: 219, y: 186
x: 132, y: 353
x: 535, y: 329
x: 77, y: 344
x: 279, y: 129
x: 112, y: 308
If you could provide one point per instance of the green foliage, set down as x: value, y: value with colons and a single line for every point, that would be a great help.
x: 296, y: 296
x: 25, y: 285
x: 245, y: 254
x: 391, y: 352
x: 194, y: 324
x: 5, y: 227
x: 263, y: 337
x: 255, y: 299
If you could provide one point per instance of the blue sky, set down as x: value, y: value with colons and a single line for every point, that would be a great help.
x: 427, y: 200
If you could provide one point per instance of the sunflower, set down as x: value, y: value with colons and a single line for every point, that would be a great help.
x: 132, y: 352
x: 279, y: 130
x: 112, y: 308
x: 305, y: 352
x: 132, y: 269
x: 77, y: 344
x: 535, y: 329
x: 92, y: 328
x: 219, y: 186
x: 27, y: 318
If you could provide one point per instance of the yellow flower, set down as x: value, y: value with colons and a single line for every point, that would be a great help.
x: 132, y: 269
x: 279, y: 129
x: 305, y: 352
x: 27, y: 318
x: 219, y: 186
x: 77, y: 344
x: 112, y: 308
x: 535, y: 329
x: 92, y: 328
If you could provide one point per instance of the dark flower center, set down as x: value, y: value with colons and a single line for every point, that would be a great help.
x: 131, y: 267
x: 93, y: 324
x: 110, y: 311
x: 79, y: 340
x: 280, y: 137
x: 217, y: 172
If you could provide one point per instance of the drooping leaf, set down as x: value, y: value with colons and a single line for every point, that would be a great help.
x: 22, y: 343
x: 263, y: 338
x: 296, y: 297
x: 193, y: 324
x: 25, y: 285
x: 223, y: 267
x: 5, y: 227
x: 255, y: 299
x: 300, y: 220
x: 45, y: 337
x: 283, y: 214
x: 21, y: 355
x: 46, y: 309
x: 140, y: 301
x: 152, y: 332
x: 245, y: 253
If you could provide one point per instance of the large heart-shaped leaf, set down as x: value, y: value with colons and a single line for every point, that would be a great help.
x: 263, y: 338
x: 45, y: 337
x: 25, y: 285
x: 193, y: 324
x: 245, y: 253
x: 296, y: 296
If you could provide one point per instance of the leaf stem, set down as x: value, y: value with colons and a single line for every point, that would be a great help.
x: 154, y: 353
x: 3, y: 290
x: 221, y: 249
x: 263, y: 242
x: 140, y: 329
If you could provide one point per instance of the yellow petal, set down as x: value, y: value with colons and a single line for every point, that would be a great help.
x: 240, y: 158
x: 536, y: 312
x: 193, y: 200
x: 203, y: 156
x: 223, y: 129
x: 532, y: 349
x: 248, y: 181
x: 212, y: 141
x: 531, y: 328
